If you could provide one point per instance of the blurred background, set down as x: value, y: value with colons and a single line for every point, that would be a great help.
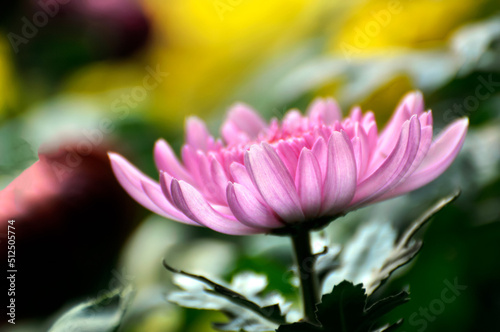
x: 79, y: 78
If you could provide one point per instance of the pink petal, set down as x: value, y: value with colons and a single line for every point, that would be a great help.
x: 320, y: 151
x: 190, y: 157
x: 248, y: 209
x: 232, y: 135
x: 273, y: 181
x: 426, y: 119
x: 361, y: 147
x: 213, y: 180
x: 358, y: 155
x: 423, y: 149
x: 325, y: 111
x: 446, y: 146
x: 394, y: 166
x: 156, y: 196
x: 293, y: 122
x: 287, y: 155
x: 197, y: 134
x: 167, y: 161
x: 131, y: 180
x: 412, y: 103
x: 372, y: 133
x: 368, y: 120
x: 340, y: 180
x: 219, y: 179
x: 308, y: 182
x: 230, y: 156
x: 369, y: 126
x: 440, y: 156
x: 165, y: 182
x: 356, y: 115
x: 192, y: 204
x: 241, y: 176
x: 242, y: 123
x: 309, y: 139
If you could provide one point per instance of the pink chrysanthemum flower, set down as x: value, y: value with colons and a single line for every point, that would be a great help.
x: 261, y: 178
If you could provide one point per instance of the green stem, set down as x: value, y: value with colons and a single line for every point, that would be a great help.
x: 308, y: 279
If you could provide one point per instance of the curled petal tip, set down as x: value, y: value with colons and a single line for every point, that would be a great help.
x: 413, y: 102
x: 464, y: 121
x: 160, y: 144
x: 113, y: 155
x: 193, y: 119
x: 242, y: 123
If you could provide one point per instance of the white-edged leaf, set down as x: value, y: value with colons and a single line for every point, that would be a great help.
x: 104, y: 314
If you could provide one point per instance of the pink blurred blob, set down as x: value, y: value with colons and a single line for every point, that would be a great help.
x: 35, y: 186
x: 69, y: 214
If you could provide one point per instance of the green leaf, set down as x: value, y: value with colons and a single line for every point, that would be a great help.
x: 299, y: 327
x: 386, y: 305
x: 271, y: 313
x: 406, y: 248
x: 345, y: 304
x: 344, y: 310
x: 375, y: 252
x: 104, y: 314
